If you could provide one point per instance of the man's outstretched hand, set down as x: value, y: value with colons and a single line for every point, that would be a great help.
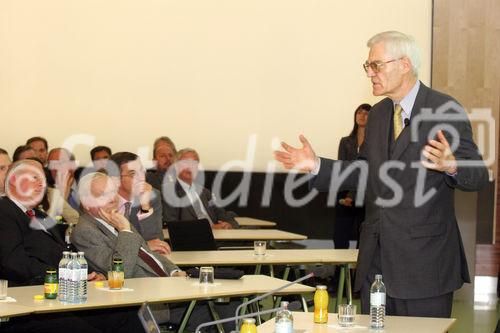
x: 297, y: 158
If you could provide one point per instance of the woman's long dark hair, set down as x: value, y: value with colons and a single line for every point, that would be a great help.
x: 364, y: 106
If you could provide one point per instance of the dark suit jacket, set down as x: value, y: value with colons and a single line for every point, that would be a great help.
x: 25, y: 253
x: 421, y: 248
x: 151, y: 226
x: 173, y: 211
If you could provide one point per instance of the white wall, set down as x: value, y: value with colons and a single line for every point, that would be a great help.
x: 207, y: 73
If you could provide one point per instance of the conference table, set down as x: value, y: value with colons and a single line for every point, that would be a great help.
x: 10, y: 309
x: 250, y: 222
x: 251, y: 235
x: 342, y: 257
x: 152, y: 289
x: 303, y: 322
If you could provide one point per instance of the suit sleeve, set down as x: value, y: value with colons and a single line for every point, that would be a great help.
x: 468, y: 178
x: 219, y: 213
x: 152, y: 225
x: 96, y: 247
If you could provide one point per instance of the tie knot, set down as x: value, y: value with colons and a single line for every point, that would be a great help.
x: 30, y: 213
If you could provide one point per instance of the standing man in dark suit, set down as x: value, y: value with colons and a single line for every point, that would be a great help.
x: 410, y: 233
x: 185, y: 200
x: 138, y: 201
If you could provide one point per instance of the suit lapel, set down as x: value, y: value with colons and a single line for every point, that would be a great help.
x: 183, y: 196
x: 385, y: 128
x: 50, y: 226
x: 405, y: 137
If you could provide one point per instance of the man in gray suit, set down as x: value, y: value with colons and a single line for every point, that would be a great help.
x: 410, y: 233
x: 186, y: 200
x: 103, y: 233
x: 137, y: 200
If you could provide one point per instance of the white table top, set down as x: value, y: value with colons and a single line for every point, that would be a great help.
x: 272, y: 257
x: 251, y: 234
x: 303, y: 322
x: 251, y: 222
x: 155, y: 289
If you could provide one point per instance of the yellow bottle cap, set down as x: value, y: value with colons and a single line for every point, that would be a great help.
x: 39, y: 297
x: 99, y: 284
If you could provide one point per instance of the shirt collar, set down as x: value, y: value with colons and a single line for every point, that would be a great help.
x: 107, y: 226
x: 185, y: 186
x: 122, y: 201
x: 20, y: 205
x: 409, y: 100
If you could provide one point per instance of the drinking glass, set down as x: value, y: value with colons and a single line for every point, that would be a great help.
x: 206, y: 275
x: 346, y: 315
x: 259, y: 248
x: 116, y: 280
x: 3, y: 289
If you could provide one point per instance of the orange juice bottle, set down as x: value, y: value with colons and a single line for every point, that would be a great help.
x: 321, y: 305
x: 248, y: 326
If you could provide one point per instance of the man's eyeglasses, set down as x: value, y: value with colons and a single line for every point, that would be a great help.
x: 376, y: 66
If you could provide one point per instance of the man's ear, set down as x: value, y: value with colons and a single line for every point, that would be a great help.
x: 406, y: 64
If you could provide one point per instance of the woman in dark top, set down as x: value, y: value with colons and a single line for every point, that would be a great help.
x: 348, y: 217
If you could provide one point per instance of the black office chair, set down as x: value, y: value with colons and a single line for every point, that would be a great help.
x: 191, y: 235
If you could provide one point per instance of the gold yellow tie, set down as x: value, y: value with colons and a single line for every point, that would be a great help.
x: 398, y: 120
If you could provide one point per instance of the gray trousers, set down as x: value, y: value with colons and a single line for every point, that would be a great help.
x: 439, y: 306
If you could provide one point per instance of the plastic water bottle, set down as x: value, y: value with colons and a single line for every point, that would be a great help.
x: 84, y: 271
x: 73, y: 281
x: 377, y: 303
x: 63, y: 276
x: 284, y: 320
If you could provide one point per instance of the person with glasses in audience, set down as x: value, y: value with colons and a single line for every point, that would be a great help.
x: 138, y: 201
x: 411, y: 239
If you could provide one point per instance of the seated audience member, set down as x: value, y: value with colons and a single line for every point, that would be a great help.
x: 63, y: 196
x: 4, y: 165
x: 163, y: 156
x: 185, y: 200
x: 23, y: 152
x: 100, y: 156
x: 41, y: 148
x: 103, y: 233
x: 29, y: 245
x: 138, y: 201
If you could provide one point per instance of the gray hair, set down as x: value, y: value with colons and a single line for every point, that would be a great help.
x: 85, y: 186
x: 398, y: 45
x: 185, y: 151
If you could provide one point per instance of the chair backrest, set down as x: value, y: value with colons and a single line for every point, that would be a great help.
x: 193, y: 235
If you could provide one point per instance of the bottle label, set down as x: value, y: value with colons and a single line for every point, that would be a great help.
x: 377, y: 299
x: 83, y: 273
x: 63, y: 273
x: 50, y: 288
x: 284, y: 327
x: 74, y: 275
